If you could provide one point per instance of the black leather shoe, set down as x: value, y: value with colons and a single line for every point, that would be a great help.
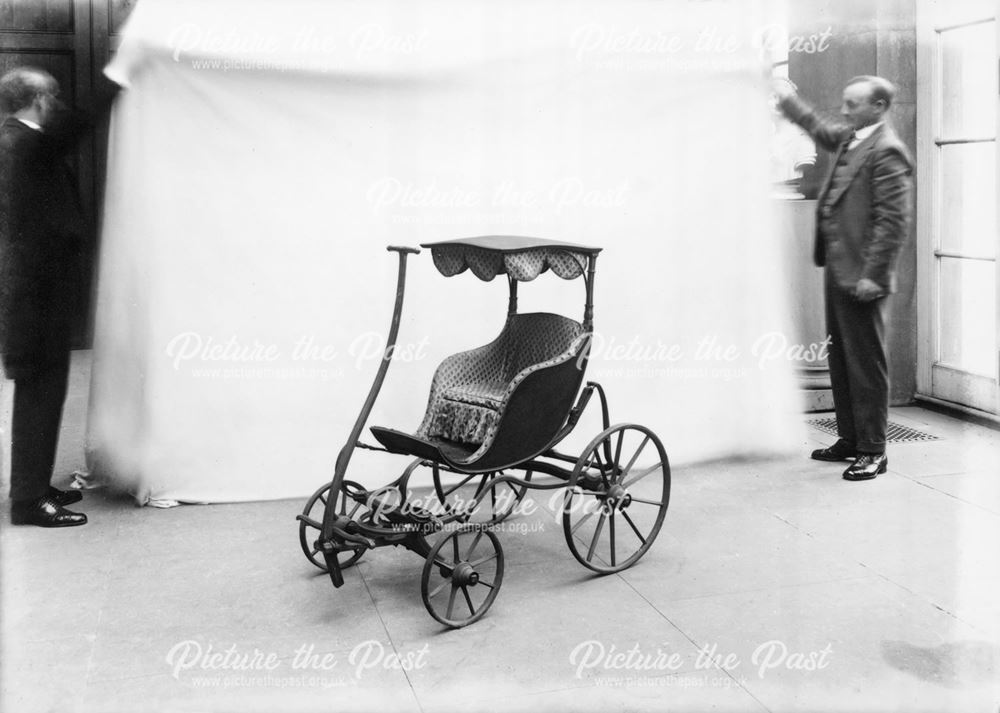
x: 841, y: 450
x: 867, y: 466
x: 65, y: 497
x: 45, y: 512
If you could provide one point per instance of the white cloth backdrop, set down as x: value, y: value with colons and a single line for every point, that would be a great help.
x: 263, y: 154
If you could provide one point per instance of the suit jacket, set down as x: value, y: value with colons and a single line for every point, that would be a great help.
x: 868, y: 216
x: 42, y: 231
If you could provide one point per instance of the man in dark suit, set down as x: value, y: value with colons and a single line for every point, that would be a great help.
x: 862, y: 220
x: 42, y: 232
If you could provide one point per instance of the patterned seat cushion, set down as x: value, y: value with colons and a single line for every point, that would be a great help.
x: 463, y: 422
x: 483, y: 393
x: 470, y: 389
x: 466, y: 413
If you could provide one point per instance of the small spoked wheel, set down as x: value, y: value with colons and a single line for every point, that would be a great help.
x: 477, y: 499
x: 309, y: 530
x: 462, y: 576
x: 616, y: 498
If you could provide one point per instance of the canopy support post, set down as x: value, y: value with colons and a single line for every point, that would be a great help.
x: 588, y: 311
x: 512, y: 300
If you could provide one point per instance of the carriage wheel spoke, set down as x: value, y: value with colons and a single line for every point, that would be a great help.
x: 507, y: 502
x: 468, y: 600
x: 437, y: 589
x: 603, y: 468
x: 634, y: 528
x: 442, y: 562
x: 484, y: 560
x: 635, y: 457
x: 611, y: 532
x: 460, y: 485
x: 651, y: 469
x: 582, y: 520
x: 597, y: 534
x: 451, y: 600
x: 618, y: 449
x: 657, y: 503
x: 488, y: 584
x: 475, y: 543
x: 353, y: 510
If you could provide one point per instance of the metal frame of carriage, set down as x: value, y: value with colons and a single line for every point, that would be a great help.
x: 494, y: 418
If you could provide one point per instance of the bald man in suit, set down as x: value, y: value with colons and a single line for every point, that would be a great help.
x: 862, y: 221
x: 42, y: 233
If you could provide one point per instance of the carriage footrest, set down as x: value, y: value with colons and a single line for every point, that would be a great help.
x: 432, y: 449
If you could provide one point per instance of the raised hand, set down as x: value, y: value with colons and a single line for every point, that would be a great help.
x: 782, y: 88
x: 866, y: 290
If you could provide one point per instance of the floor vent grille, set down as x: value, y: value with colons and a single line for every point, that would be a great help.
x: 895, y: 434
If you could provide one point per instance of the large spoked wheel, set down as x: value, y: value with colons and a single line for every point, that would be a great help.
x: 616, y: 499
x: 462, y: 576
x: 309, y: 531
x: 478, y: 500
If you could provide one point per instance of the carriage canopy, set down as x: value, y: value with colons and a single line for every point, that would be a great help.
x: 521, y: 258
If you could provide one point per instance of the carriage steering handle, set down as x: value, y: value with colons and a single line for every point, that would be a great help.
x: 344, y: 457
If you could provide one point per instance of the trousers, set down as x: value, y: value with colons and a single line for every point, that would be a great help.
x: 859, y: 371
x: 39, y: 394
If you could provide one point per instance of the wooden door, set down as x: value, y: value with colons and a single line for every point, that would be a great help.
x: 958, y: 236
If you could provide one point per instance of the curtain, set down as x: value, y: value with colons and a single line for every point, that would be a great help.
x: 263, y: 155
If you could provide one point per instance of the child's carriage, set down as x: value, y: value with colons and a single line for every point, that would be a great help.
x: 493, y: 421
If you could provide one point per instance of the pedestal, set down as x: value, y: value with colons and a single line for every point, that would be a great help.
x: 798, y: 224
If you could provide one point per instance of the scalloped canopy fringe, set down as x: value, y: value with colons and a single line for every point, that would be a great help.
x: 523, y: 266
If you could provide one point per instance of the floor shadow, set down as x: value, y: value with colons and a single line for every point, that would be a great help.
x: 954, y: 665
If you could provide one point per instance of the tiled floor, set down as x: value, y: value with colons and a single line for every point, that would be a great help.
x: 774, y: 586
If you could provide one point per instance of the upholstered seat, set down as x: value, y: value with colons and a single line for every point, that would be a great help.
x: 471, y: 390
x: 483, y: 393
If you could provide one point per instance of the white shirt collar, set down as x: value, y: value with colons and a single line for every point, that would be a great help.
x: 862, y: 134
x: 30, y: 124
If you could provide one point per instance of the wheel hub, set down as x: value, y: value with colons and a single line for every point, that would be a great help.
x: 617, y: 498
x: 590, y: 480
x: 464, y: 575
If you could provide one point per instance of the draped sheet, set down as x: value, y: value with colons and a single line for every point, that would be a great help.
x: 263, y: 154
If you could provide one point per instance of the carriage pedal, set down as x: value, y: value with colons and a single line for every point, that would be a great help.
x: 309, y: 521
x: 346, y: 539
x: 355, y: 491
